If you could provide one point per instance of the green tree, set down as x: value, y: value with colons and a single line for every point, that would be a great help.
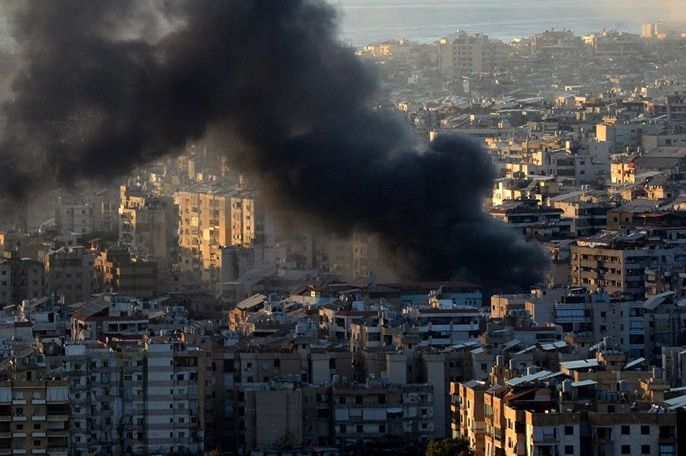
x: 449, y: 447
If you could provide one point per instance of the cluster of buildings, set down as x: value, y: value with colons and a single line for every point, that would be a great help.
x: 179, y: 313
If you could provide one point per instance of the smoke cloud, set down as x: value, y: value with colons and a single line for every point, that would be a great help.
x: 106, y: 86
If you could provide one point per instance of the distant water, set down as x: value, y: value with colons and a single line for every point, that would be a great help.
x: 366, y: 21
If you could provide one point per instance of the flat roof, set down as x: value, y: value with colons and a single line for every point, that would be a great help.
x: 580, y: 364
x: 588, y: 382
x: 528, y: 378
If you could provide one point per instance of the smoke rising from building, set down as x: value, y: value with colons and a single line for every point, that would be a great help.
x: 106, y: 86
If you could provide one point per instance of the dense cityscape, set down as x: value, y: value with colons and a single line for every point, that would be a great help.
x: 189, y: 307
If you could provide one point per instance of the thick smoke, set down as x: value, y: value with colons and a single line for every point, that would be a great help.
x: 108, y: 85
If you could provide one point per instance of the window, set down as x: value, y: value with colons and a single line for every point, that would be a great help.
x: 645, y: 430
x: 645, y: 449
x: 569, y: 430
x: 626, y: 449
x: 569, y: 449
x: 360, y: 429
x: 626, y: 430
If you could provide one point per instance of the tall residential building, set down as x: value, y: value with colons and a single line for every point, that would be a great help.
x: 174, y: 394
x: 135, y: 396
x: 148, y: 226
x: 34, y: 408
x: 20, y: 278
x: 74, y: 216
x: 95, y: 399
x: 69, y: 273
x: 461, y: 54
x: 131, y: 367
x: 210, y: 219
x: 115, y: 270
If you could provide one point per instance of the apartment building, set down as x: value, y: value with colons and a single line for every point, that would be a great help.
x: 148, y: 225
x: 272, y: 415
x: 34, y: 407
x: 174, y: 396
x: 616, y: 262
x: 528, y: 416
x: 69, y: 274
x: 532, y: 220
x: 445, y: 326
x: 20, y: 278
x: 116, y: 270
x: 211, y: 218
x: 131, y: 361
x: 461, y: 54
x: 467, y: 412
x: 588, y: 217
x: 375, y: 410
x: 109, y: 316
x: 95, y: 400
x: 74, y: 216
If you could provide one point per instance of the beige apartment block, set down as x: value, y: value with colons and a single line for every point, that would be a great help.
x: 210, y: 219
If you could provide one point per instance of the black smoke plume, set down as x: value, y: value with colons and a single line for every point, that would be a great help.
x: 108, y: 85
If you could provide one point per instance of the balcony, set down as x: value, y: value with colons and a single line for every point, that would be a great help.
x: 544, y: 439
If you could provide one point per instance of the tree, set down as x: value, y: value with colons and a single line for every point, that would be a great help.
x: 449, y: 447
x: 286, y: 442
